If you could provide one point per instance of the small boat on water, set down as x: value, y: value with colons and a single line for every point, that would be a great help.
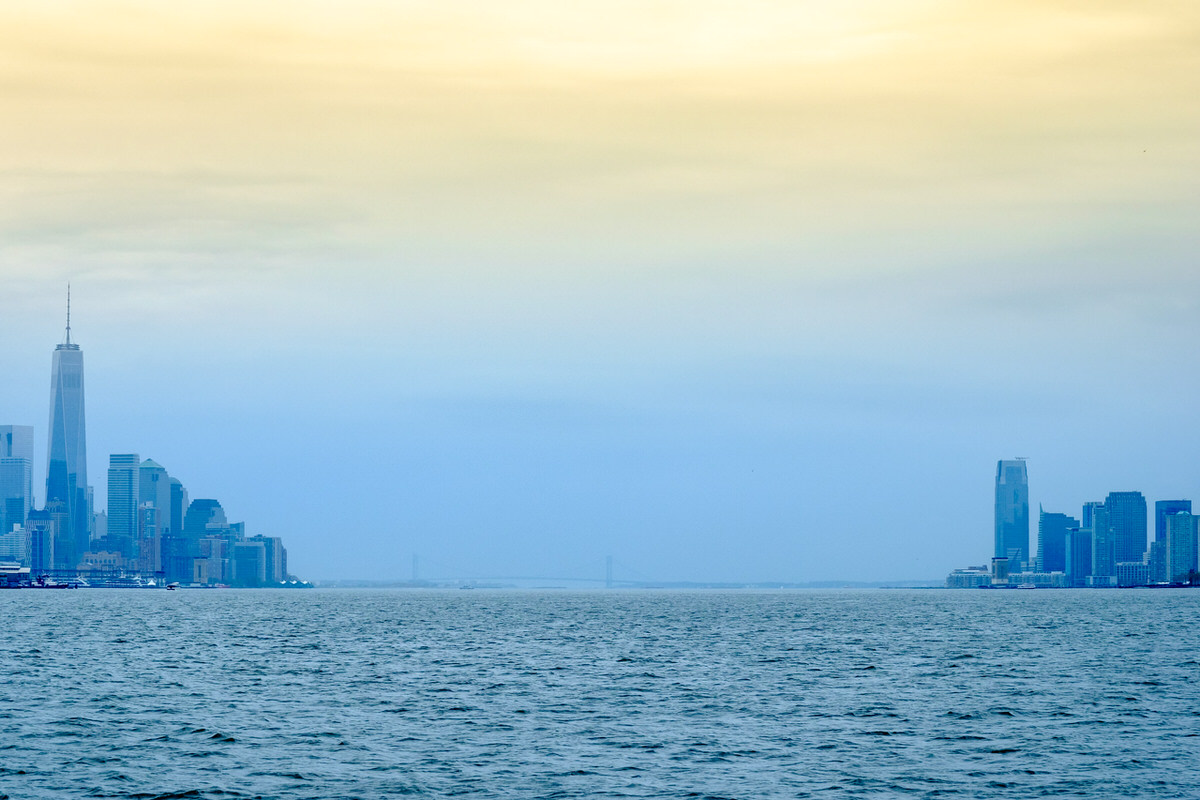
x: 172, y: 586
x: 46, y: 582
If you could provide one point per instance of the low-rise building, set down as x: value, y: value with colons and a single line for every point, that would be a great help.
x: 969, y: 578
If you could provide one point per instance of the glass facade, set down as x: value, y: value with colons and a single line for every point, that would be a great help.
x: 16, y: 475
x: 66, y: 473
x: 1052, y: 540
x: 1127, y: 516
x: 1012, y: 512
x: 1163, y: 509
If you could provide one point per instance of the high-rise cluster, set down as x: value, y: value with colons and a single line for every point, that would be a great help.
x: 1106, y: 546
x: 150, y: 533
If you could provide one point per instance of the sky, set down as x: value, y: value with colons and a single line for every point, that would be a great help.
x: 747, y: 291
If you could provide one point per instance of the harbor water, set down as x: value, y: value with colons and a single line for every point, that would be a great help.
x: 623, y: 694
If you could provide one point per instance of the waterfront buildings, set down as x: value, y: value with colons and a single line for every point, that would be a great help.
x: 1104, y: 563
x: 16, y: 476
x: 1105, y: 547
x: 154, y: 513
x: 14, y: 545
x: 1012, y: 512
x: 122, y: 525
x: 1181, y: 550
x: 179, y: 504
x: 42, y: 528
x: 1127, y: 518
x: 1052, y: 540
x: 1162, y: 508
x: 149, y: 530
x: 1078, y: 556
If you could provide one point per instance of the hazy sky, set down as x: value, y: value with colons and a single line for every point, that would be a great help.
x: 746, y: 291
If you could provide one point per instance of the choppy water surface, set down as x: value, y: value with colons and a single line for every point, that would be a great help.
x: 315, y: 694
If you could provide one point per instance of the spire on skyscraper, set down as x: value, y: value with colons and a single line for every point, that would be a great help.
x: 66, y: 463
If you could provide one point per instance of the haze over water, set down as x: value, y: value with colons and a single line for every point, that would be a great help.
x: 639, y: 694
x: 729, y: 290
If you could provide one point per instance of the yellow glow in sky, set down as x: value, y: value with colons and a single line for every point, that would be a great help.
x: 716, y: 123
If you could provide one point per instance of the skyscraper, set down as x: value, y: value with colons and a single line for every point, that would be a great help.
x: 1181, y: 550
x: 1078, y: 556
x: 1104, y: 546
x: 179, y: 504
x: 1012, y: 512
x: 1127, y: 517
x: 154, y: 487
x: 1052, y: 540
x: 16, y: 475
x: 123, y: 502
x: 66, y: 464
x: 180, y: 549
x: 203, y: 516
x: 154, y: 513
x: 1162, y: 509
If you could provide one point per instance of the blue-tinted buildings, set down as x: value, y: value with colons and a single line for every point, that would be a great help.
x: 1078, y: 556
x: 1163, y: 508
x: 1104, y: 551
x: 16, y: 475
x: 66, y: 470
x: 1127, y: 518
x: 122, y: 527
x: 1012, y: 513
x: 1181, y: 550
x: 1052, y: 540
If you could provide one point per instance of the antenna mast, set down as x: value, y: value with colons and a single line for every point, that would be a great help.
x: 68, y: 313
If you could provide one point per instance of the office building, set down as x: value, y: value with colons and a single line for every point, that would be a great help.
x: 1052, y: 540
x: 154, y: 513
x: 203, y: 517
x: 16, y: 475
x: 1078, y: 552
x: 1012, y: 513
x: 249, y: 564
x: 154, y: 488
x: 1181, y: 550
x: 179, y: 504
x: 213, y: 566
x: 969, y: 578
x: 43, y: 532
x: 275, y: 564
x: 1133, y: 573
x: 14, y: 546
x: 1104, y: 551
x: 66, y: 462
x: 1127, y: 518
x: 1163, y: 508
x: 122, y: 524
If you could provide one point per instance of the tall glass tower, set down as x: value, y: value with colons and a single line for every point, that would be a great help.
x: 1127, y: 516
x: 66, y: 472
x: 1162, y: 509
x: 16, y: 475
x: 1012, y: 512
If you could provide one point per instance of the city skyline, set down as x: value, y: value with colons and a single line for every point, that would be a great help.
x: 139, y: 537
x: 727, y: 292
x: 1108, y: 546
x: 144, y: 520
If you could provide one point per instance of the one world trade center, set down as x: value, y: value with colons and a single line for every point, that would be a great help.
x: 66, y: 474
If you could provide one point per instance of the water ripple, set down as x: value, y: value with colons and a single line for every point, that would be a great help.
x: 360, y: 694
